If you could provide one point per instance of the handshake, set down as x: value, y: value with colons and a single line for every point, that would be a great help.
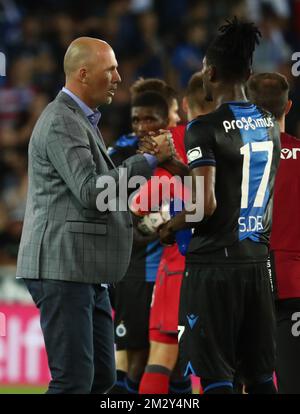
x: 159, y: 144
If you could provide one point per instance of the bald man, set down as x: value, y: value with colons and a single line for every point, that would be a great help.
x: 73, y: 244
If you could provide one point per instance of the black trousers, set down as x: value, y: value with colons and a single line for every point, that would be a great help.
x: 77, y: 326
x: 288, y: 346
x: 227, y: 322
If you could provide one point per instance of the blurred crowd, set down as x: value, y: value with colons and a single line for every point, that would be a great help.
x: 151, y: 38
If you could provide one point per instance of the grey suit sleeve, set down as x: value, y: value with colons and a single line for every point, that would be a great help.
x: 69, y: 151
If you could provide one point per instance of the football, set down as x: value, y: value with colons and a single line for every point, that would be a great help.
x: 151, y: 222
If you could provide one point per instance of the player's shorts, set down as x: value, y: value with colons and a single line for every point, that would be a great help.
x: 227, y: 322
x: 165, y: 305
x: 132, y: 300
x: 288, y: 346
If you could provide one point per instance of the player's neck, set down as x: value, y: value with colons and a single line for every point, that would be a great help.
x: 281, y: 123
x: 232, y: 93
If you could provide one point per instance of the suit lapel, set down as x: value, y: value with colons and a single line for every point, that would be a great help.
x: 101, y: 144
x: 99, y: 141
x: 96, y: 134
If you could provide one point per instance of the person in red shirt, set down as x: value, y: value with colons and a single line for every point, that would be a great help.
x: 271, y: 91
x: 165, y: 304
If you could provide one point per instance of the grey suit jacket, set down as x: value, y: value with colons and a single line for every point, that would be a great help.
x: 64, y: 236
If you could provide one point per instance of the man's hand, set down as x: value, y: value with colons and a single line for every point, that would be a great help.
x: 165, y: 145
x: 161, y: 145
x: 166, y: 235
x: 148, y: 145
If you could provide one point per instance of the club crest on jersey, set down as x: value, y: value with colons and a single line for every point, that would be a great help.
x: 248, y: 123
x: 287, y: 154
x: 194, y: 154
x: 121, y: 330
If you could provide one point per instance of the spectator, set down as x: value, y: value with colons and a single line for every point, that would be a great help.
x: 187, y: 56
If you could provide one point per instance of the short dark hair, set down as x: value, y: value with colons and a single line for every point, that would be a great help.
x: 270, y: 91
x: 195, y: 93
x: 154, y: 85
x: 152, y: 100
x: 231, y: 52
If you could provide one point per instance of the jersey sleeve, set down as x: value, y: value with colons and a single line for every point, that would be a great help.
x: 157, y: 190
x: 199, y: 144
x: 178, y: 138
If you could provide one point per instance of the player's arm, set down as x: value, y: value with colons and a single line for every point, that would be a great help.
x: 181, y: 221
x: 176, y: 167
x: 199, y: 142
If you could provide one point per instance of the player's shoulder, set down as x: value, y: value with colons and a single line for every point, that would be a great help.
x: 178, y: 129
x: 178, y: 133
x: 209, y: 121
x: 267, y: 116
x: 287, y: 139
x: 126, y: 141
x: 123, y: 145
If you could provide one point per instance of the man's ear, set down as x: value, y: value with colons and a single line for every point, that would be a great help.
x: 82, y: 74
x: 184, y: 104
x: 288, y: 106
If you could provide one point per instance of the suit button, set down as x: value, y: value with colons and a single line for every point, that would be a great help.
x: 130, y: 226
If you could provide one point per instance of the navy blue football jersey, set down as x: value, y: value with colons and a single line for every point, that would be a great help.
x: 242, y: 141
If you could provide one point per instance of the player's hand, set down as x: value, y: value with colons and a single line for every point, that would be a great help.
x: 161, y: 145
x: 166, y: 235
x: 165, y: 146
x: 148, y: 145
